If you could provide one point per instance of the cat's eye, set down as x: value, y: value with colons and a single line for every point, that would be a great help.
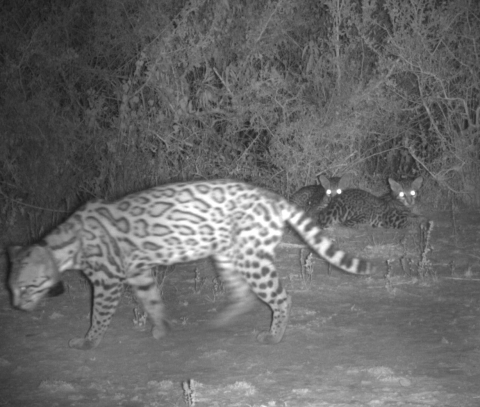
x: 329, y: 192
x: 401, y: 194
x: 413, y: 193
x: 339, y: 191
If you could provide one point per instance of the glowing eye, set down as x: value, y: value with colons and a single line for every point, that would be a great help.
x: 412, y: 193
x: 401, y: 194
x: 329, y: 192
x: 339, y: 191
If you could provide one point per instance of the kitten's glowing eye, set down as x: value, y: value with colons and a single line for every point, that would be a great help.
x: 339, y: 191
x: 329, y: 192
x: 401, y: 194
x: 412, y: 193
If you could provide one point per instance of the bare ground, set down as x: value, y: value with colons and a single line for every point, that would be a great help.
x: 408, y: 338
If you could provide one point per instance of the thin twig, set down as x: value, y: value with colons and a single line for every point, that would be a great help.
x: 460, y: 278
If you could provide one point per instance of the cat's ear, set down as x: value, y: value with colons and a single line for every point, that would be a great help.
x: 345, y: 180
x: 417, y: 183
x: 396, y: 187
x: 324, y: 181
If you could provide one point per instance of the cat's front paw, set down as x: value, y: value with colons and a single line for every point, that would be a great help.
x: 268, y: 339
x: 160, y: 331
x: 81, y: 344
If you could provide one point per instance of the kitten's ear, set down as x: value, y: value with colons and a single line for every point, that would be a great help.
x: 417, y: 183
x: 345, y: 179
x: 324, y: 181
x: 396, y: 187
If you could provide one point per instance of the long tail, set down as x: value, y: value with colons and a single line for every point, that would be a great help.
x: 324, y: 247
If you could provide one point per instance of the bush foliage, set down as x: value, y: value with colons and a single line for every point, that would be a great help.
x: 103, y: 98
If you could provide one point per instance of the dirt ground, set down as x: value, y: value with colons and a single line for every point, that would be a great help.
x: 408, y: 336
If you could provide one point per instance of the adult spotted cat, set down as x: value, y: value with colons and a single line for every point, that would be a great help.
x: 237, y: 224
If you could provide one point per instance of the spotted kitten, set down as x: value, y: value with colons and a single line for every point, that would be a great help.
x: 313, y: 198
x: 355, y: 206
